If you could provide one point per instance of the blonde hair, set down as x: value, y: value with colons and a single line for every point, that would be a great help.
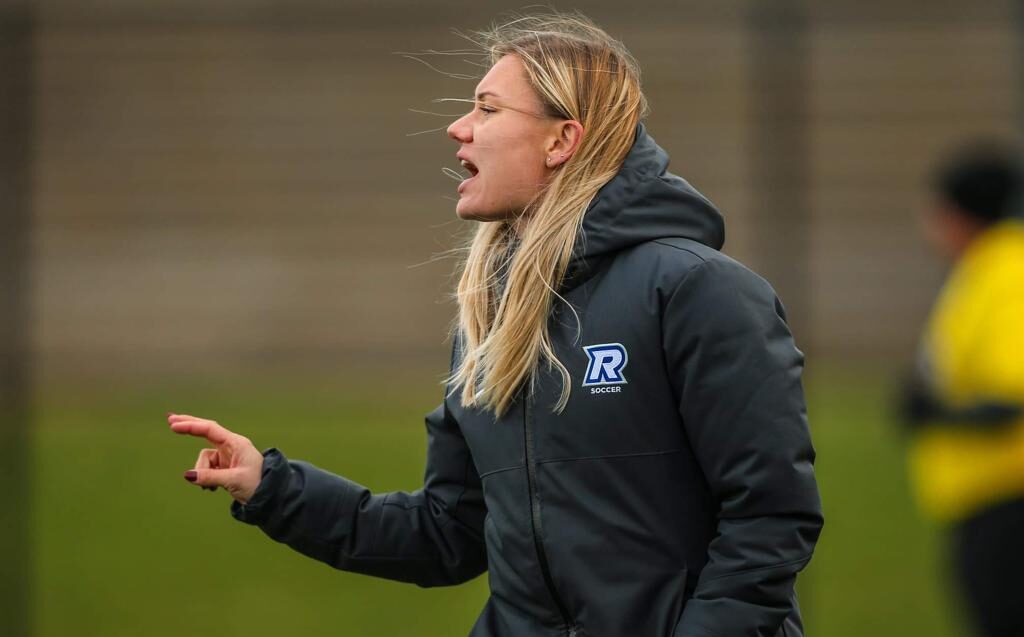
x: 509, y: 282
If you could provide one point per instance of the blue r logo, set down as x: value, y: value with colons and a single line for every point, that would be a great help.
x: 606, y: 364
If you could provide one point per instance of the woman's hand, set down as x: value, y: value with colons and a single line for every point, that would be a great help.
x: 234, y: 463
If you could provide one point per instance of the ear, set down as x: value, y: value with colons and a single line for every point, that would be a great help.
x: 564, y: 141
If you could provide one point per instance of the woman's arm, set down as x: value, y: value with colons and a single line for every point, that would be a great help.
x: 737, y: 372
x: 432, y: 537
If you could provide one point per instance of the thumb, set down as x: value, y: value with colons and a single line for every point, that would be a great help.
x: 212, y: 478
x: 236, y: 481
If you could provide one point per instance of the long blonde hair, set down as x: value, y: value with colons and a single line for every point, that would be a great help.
x: 510, y: 281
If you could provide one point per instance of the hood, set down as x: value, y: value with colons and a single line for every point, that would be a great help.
x: 643, y: 202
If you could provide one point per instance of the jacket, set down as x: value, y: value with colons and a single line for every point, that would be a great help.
x: 966, y: 450
x: 673, y: 497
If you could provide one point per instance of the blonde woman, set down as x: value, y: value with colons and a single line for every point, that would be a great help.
x: 622, y: 444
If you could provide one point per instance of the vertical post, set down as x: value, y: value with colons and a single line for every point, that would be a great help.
x: 779, y: 158
x: 779, y: 63
x: 16, y: 97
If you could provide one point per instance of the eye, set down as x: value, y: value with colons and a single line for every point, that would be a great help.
x: 485, y: 109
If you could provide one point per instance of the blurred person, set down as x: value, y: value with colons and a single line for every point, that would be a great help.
x: 623, y: 444
x: 964, y: 402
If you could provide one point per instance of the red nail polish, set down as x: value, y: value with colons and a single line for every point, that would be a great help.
x: 191, y: 476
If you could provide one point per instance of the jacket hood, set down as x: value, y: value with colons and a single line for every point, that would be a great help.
x: 641, y: 203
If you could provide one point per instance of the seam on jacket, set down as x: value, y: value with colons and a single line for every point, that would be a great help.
x: 377, y: 535
x: 465, y: 487
x: 681, y: 249
x: 686, y: 276
x: 449, y: 421
x: 469, y: 458
x: 747, y: 571
x: 612, y: 456
x: 494, y: 471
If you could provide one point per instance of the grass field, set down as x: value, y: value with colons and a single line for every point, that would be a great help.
x: 124, y: 546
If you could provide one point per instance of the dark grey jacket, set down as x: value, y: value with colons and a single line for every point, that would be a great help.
x: 675, y: 495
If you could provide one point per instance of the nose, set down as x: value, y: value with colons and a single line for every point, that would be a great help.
x: 460, y: 130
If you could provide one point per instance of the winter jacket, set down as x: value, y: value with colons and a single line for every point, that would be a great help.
x: 673, y: 497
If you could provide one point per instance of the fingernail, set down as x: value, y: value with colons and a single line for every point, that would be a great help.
x: 191, y: 476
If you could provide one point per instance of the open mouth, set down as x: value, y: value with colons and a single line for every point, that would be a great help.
x: 471, y: 168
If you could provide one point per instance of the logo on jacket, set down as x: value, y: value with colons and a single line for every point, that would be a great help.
x: 605, y: 367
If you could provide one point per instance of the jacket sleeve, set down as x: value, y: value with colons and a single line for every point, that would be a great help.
x: 432, y: 537
x: 736, y: 371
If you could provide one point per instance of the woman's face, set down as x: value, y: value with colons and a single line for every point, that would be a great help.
x: 507, y: 145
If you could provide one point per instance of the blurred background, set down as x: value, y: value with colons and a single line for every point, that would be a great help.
x: 229, y: 209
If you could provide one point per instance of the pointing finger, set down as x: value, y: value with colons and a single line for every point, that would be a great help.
x: 173, y: 418
x: 176, y: 418
x: 203, y: 428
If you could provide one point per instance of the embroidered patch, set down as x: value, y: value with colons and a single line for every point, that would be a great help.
x: 607, y: 361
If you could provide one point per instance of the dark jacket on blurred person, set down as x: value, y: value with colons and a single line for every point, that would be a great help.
x: 673, y: 497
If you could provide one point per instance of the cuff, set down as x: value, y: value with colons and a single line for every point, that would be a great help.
x: 273, y: 479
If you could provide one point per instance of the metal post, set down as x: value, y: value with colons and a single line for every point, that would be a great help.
x: 779, y: 62
x: 16, y: 96
x: 779, y: 155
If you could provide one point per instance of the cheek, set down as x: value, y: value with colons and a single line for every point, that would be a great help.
x: 523, y: 169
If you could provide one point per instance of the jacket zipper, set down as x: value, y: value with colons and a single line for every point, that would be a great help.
x: 542, y: 559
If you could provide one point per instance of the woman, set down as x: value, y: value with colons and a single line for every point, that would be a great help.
x: 623, y: 444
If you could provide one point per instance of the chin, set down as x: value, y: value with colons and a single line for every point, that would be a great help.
x: 467, y: 214
x: 471, y: 213
x: 464, y: 210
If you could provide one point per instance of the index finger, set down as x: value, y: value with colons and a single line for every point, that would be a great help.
x: 204, y: 428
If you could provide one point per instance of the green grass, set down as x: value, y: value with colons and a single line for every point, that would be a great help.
x: 879, y: 568
x: 124, y: 546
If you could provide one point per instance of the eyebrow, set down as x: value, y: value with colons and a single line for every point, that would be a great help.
x: 483, y: 94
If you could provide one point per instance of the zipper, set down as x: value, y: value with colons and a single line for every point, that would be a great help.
x: 531, y: 480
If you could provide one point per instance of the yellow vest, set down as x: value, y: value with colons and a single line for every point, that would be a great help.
x: 974, y: 344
